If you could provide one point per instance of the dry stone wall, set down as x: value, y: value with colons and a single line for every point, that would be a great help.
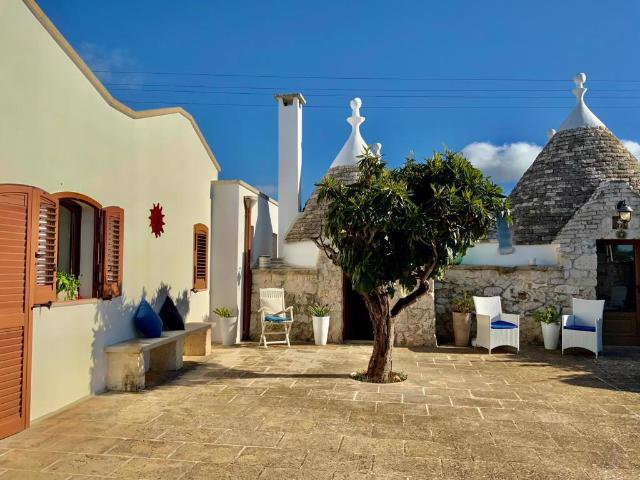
x: 303, y: 287
x: 591, y: 222
x: 415, y: 326
x: 523, y: 290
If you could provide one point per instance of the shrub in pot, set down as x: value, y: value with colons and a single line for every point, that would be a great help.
x: 67, y: 285
x: 228, y: 325
x: 549, y: 319
x: 320, y: 316
x: 461, y: 312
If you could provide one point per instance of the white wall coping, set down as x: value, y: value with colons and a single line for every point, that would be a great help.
x: 244, y: 184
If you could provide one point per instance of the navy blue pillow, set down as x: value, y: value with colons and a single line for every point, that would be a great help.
x: 171, y: 318
x: 147, y: 321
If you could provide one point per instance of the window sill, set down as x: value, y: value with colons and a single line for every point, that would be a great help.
x: 71, y: 303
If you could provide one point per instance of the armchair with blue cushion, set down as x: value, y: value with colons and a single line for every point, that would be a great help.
x: 495, y: 328
x: 583, y: 329
x: 273, y: 312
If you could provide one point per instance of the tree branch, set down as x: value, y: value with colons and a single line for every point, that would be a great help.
x: 328, y: 251
x: 422, y: 288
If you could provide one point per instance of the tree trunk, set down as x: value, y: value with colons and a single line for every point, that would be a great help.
x: 383, y: 336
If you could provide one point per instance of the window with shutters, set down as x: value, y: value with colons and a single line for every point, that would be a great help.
x: 200, y: 257
x: 78, y: 221
x: 90, y: 245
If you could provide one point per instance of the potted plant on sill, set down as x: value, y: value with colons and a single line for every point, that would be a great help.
x: 228, y: 325
x: 549, y: 319
x: 67, y: 285
x: 461, y: 313
x: 320, y: 316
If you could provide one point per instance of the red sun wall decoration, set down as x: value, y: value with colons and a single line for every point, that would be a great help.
x: 156, y: 220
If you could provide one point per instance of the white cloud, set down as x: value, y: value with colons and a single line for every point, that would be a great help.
x: 633, y: 147
x: 110, y: 60
x: 504, y: 163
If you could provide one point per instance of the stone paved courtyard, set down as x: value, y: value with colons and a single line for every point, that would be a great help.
x: 247, y: 413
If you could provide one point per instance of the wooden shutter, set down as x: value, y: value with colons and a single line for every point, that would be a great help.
x: 45, y: 228
x: 200, y: 256
x: 112, y: 244
x: 16, y: 272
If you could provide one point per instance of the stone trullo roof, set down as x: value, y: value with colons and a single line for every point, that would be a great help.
x: 308, y: 225
x: 565, y: 174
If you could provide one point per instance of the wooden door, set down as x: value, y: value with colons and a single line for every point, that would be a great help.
x: 619, y: 285
x: 15, y: 307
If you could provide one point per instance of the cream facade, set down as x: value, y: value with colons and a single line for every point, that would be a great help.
x: 61, y: 131
x: 228, y: 243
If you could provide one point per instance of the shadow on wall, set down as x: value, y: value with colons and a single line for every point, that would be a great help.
x: 263, y: 232
x: 113, y: 323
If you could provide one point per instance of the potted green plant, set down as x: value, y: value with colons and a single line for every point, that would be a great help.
x: 228, y: 325
x: 67, y: 285
x: 461, y: 313
x: 549, y: 319
x: 320, y: 316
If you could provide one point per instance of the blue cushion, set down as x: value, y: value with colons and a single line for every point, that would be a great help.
x: 275, y: 318
x: 581, y: 328
x: 502, y: 325
x: 147, y: 321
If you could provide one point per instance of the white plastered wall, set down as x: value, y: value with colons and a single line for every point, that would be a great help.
x: 59, y: 134
x: 487, y: 253
x: 228, y: 242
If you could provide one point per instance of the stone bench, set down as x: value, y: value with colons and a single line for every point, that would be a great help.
x: 128, y: 361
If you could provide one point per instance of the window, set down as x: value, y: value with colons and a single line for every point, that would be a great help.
x: 200, y: 257
x: 77, y: 223
x: 90, y: 244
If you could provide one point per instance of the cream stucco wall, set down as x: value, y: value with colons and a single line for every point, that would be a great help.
x: 58, y: 133
x: 228, y: 242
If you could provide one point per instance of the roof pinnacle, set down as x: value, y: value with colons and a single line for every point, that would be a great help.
x: 355, y: 144
x: 581, y: 116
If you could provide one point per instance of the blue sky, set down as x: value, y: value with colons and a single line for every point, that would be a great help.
x: 541, y: 44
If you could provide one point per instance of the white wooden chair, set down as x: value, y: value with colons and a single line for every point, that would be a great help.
x: 583, y: 329
x: 273, y: 312
x: 494, y: 328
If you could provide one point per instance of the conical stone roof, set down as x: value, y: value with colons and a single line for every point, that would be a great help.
x: 309, y: 224
x: 563, y: 177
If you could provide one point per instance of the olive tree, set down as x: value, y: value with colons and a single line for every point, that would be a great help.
x: 395, y: 229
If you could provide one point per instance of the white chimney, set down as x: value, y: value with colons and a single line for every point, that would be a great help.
x: 289, y: 162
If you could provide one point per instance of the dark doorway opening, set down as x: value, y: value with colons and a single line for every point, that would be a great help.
x: 618, y: 285
x: 356, y: 322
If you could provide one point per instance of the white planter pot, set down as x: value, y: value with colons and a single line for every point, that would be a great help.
x: 551, y: 334
x: 228, y: 330
x: 320, y: 330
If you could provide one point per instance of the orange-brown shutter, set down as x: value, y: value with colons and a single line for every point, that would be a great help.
x: 16, y: 270
x: 200, y: 256
x: 112, y: 244
x: 45, y: 229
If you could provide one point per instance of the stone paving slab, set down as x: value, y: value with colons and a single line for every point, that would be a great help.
x: 247, y: 413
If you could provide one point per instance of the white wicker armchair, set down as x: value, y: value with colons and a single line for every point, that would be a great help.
x: 583, y: 329
x: 273, y: 312
x: 494, y: 328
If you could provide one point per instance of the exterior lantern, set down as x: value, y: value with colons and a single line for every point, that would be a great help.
x: 624, y: 211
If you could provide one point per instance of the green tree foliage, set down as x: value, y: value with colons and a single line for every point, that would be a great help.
x: 401, y: 227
